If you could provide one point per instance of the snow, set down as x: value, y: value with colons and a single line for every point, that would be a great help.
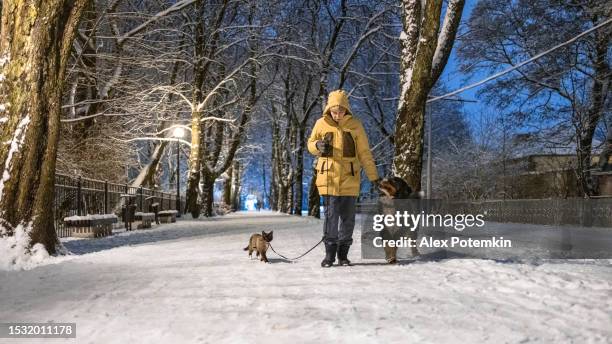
x: 167, y: 212
x: 91, y: 217
x: 191, y: 282
x: 15, y: 144
x: 452, y: 12
x: 16, y: 254
x: 4, y: 59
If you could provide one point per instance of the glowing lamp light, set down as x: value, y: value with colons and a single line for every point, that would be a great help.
x: 178, y: 132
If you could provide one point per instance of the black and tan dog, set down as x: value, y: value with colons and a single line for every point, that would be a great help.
x: 395, y: 188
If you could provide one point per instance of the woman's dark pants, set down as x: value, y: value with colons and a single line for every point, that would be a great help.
x: 339, y: 220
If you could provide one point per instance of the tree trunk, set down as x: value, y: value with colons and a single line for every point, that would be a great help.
x: 227, y: 186
x: 314, y: 199
x: 208, y: 188
x: 299, y: 170
x: 604, y: 156
x: 599, y: 90
x: 424, y: 55
x: 194, y: 167
x: 146, y: 176
x: 34, y: 49
x: 273, y: 187
x: 235, y: 187
x: 193, y: 180
x: 282, y: 198
x: 275, y: 183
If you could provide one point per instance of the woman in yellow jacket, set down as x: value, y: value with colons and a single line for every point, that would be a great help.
x: 341, y: 146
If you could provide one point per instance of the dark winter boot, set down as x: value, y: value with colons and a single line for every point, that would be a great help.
x: 330, y: 255
x: 343, y: 255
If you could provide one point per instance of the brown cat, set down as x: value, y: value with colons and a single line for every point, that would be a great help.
x: 259, y: 244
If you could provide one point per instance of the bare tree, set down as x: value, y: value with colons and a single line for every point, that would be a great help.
x: 568, y: 89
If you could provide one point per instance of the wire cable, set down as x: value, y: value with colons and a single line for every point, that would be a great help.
x: 508, y: 70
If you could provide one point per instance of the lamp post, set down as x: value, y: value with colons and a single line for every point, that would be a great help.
x: 178, y: 133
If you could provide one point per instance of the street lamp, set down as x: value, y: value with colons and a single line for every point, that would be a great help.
x: 178, y: 134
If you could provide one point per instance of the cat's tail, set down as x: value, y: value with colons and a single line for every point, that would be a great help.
x: 246, y: 248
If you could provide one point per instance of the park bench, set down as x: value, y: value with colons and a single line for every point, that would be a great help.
x: 167, y: 216
x: 144, y: 220
x: 90, y: 226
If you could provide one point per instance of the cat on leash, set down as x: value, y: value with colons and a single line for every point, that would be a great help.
x: 259, y: 244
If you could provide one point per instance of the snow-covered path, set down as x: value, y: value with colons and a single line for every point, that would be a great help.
x: 191, y: 282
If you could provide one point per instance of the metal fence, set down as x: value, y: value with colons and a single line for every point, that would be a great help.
x: 81, y: 196
x: 556, y: 212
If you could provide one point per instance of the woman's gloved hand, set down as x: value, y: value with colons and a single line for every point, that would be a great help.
x: 323, y: 146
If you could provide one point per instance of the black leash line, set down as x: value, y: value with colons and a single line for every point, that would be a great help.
x: 325, y: 209
x: 296, y: 258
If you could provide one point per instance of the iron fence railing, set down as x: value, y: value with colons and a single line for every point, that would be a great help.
x: 81, y: 196
x: 555, y: 212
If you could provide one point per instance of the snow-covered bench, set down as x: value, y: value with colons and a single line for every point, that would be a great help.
x: 90, y: 226
x: 144, y: 220
x: 167, y: 216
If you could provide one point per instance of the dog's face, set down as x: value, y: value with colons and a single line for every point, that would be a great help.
x: 267, y: 236
x: 395, y: 188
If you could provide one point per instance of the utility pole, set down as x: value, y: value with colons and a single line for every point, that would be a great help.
x: 429, y: 172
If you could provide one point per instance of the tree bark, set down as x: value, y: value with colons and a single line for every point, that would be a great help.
x: 193, y: 207
x: 314, y: 199
x: 208, y: 188
x: 299, y: 172
x: 34, y: 49
x: 235, y: 187
x: 193, y: 180
x: 227, y: 186
x: 424, y: 55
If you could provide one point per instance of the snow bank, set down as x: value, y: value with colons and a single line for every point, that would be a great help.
x: 168, y: 212
x: 16, y: 254
x: 91, y: 217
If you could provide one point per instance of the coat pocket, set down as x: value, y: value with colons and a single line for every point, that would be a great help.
x: 324, y: 169
x: 348, y: 145
x: 352, y: 168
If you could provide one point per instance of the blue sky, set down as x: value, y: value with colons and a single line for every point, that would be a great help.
x: 454, y: 79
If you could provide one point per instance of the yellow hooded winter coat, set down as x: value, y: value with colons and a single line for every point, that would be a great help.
x: 339, y: 174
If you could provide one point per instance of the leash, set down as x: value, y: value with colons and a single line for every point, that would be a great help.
x: 325, y: 209
x: 296, y: 258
